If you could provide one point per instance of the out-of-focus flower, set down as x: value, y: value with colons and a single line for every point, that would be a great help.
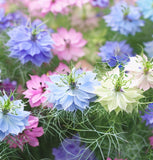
x: 141, y: 72
x: 4, y: 20
x: 72, y: 149
x: 84, y: 19
x: 149, y: 48
x: 151, y: 140
x: 124, y: 18
x: 13, y: 118
x: 68, y: 44
x: 72, y: 92
x: 148, y: 116
x: 29, y: 135
x: 36, y: 90
x: 84, y: 65
x: 100, y: 3
x: 8, y: 86
x: 128, y: 1
x: 30, y: 44
x: 115, y: 93
x: 78, y: 3
x: 115, y: 53
x: 146, y: 8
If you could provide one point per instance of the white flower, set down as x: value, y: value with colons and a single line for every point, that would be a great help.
x: 140, y: 70
x: 115, y: 93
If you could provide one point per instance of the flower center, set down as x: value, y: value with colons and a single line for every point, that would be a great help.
x: 147, y: 67
x: 6, y: 107
x: 67, y: 42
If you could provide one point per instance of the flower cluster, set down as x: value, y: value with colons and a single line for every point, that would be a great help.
x: 125, y: 19
x: 29, y: 135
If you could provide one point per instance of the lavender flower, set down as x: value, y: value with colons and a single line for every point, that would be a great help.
x: 148, y: 116
x: 72, y: 92
x: 115, y: 53
x: 30, y: 44
x: 124, y: 18
x: 100, y: 3
x: 72, y: 149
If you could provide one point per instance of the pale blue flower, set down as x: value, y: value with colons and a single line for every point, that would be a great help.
x: 125, y: 19
x: 72, y: 92
x: 149, y: 48
x: 13, y: 118
x: 146, y: 6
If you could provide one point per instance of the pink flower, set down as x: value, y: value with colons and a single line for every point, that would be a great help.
x: 78, y: 3
x: 36, y: 90
x: 29, y: 135
x: 61, y: 69
x: 68, y: 44
x: 140, y: 71
x: 128, y: 1
x: 84, y: 65
x: 151, y: 140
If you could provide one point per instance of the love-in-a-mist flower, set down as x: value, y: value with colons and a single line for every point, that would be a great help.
x: 115, y: 92
x: 149, y: 48
x: 124, y: 18
x: 29, y: 135
x: 28, y: 43
x: 148, y: 115
x: 36, y: 90
x: 146, y: 8
x: 100, y: 3
x: 115, y: 53
x: 73, y: 91
x: 4, y: 20
x: 13, y: 118
x: 68, y: 44
x: 71, y: 148
x: 141, y: 72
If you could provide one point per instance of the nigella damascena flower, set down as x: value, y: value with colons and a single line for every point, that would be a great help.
x: 13, y: 118
x: 36, y: 90
x: 4, y: 20
x: 29, y: 135
x: 115, y: 92
x: 148, y: 116
x: 140, y: 70
x: 115, y: 53
x: 146, y: 8
x: 29, y: 43
x: 124, y: 18
x: 68, y: 44
x: 149, y: 48
x: 100, y: 3
x: 72, y: 149
x: 72, y: 92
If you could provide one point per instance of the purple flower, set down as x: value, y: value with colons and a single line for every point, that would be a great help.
x: 124, y: 18
x: 8, y: 86
x: 28, y: 43
x: 148, y: 116
x: 100, y: 3
x: 72, y: 149
x: 4, y: 20
x: 115, y: 53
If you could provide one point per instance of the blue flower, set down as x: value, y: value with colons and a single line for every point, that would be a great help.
x: 100, y: 3
x: 124, y: 18
x: 148, y: 116
x: 149, y: 48
x: 13, y: 118
x: 30, y: 44
x: 4, y: 20
x: 115, y: 53
x: 147, y: 8
x: 72, y: 149
x: 72, y: 92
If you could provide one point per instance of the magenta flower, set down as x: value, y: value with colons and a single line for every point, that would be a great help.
x: 29, y: 135
x: 68, y: 44
x: 36, y: 90
x: 151, y: 140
